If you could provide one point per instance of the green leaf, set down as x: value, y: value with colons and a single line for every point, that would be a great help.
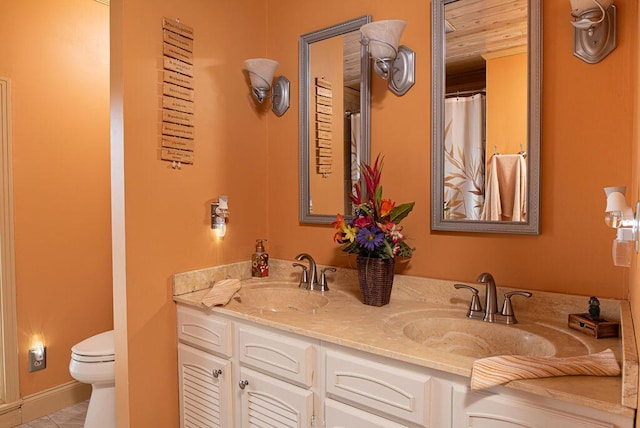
x: 366, y: 210
x: 405, y: 250
x: 401, y: 211
x: 388, y: 248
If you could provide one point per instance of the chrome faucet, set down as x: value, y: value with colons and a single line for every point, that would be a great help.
x: 490, y: 313
x: 491, y: 300
x: 312, y: 279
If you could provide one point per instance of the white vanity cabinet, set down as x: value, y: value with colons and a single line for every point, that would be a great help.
x: 204, y: 369
x: 277, y: 378
x: 237, y: 373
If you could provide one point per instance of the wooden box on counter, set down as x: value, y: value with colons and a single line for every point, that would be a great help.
x: 598, y: 329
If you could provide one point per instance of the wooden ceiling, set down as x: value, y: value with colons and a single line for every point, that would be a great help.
x: 483, y: 26
x: 351, y: 57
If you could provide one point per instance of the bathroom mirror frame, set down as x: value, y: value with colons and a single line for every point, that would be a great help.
x: 305, y: 148
x: 532, y: 224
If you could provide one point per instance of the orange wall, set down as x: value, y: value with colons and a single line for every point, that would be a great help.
x: 56, y: 55
x: 506, y: 104
x: 586, y: 126
x: 167, y: 216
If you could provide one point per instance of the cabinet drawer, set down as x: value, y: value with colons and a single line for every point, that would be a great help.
x: 338, y: 415
x: 379, y: 387
x: 204, y: 330
x: 481, y: 409
x: 283, y: 356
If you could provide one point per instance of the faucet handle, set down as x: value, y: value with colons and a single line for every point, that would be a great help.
x: 507, y: 308
x: 304, y: 279
x: 475, y: 308
x: 323, y: 278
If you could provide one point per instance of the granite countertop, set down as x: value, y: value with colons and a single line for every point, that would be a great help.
x: 345, y: 320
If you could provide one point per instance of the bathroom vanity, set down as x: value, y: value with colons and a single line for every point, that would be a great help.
x: 277, y: 355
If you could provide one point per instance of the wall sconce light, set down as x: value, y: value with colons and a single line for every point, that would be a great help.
x: 37, y: 357
x: 594, y: 35
x: 219, y: 215
x: 622, y: 218
x: 261, y: 71
x: 392, y: 62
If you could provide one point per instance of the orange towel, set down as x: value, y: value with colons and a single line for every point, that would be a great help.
x: 492, y: 371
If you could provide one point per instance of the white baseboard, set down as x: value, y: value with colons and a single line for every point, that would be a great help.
x: 51, y: 400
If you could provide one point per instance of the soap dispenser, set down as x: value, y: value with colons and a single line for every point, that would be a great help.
x: 260, y: 261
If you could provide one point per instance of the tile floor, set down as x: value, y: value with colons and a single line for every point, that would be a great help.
x: 69, y: 417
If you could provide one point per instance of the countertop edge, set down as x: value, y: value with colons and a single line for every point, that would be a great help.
x: 630, y: 357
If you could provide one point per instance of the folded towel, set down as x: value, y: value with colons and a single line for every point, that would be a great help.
x: 492, y: 371
x: 221, y: 292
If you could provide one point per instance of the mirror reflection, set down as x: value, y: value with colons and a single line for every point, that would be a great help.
x: 334, y: 118
x: 486, y: 60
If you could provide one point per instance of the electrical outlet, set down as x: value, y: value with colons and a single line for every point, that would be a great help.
x: 37, y: 359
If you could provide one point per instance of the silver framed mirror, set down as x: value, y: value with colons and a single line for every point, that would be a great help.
x: 486, y: 137
x: 334, y: 125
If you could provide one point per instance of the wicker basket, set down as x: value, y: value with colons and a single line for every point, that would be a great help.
x: 375, y: 277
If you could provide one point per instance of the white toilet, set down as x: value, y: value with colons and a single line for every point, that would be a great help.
x: 93, y: 361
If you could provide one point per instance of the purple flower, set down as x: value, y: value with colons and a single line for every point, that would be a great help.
x: 370, y: 239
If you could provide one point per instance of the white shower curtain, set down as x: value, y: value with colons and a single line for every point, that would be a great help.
x: 355, y: 148
x: 464, y: 143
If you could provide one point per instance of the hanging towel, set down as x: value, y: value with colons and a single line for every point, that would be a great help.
x: 492, y: 371
x: 506, y: 192
x: 221, y: 292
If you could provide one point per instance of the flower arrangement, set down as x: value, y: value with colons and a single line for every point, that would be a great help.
x: 374, y: 231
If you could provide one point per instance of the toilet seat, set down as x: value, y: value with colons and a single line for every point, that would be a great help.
x: 96, y: 349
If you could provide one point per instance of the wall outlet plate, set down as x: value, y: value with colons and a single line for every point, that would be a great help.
x: 35, y: 363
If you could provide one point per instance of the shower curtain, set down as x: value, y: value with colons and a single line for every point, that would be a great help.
x: 464, y: 144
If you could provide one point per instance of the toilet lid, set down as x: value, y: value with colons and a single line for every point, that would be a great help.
x: 97, y: 348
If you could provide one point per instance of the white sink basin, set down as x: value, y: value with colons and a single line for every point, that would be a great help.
x: 456, y: 334
x: 280, y: 299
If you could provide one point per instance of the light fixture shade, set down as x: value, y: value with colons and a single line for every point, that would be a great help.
x: 580, y: 6
x: 223, y: 200
x: 616, y: 202
x: 615, y: 198
x: 261, y: 71
x: 388, y: 32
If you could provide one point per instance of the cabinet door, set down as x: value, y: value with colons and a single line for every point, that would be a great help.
x: 485, y: 410
x: 272, y: 403
x: 205, y: 389
x: 338, y: 415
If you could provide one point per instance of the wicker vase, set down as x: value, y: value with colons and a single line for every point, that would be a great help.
x: 375, y: 277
